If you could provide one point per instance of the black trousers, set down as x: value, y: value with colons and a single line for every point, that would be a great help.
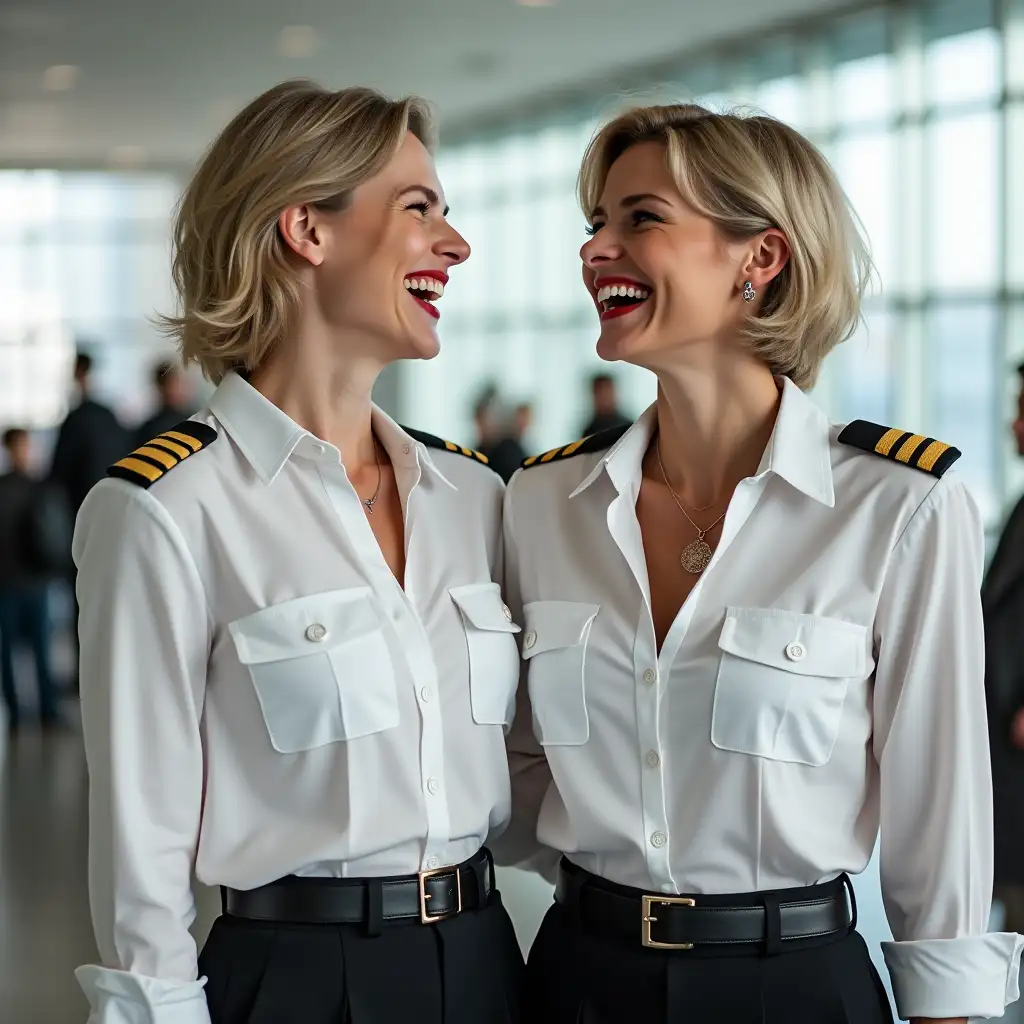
x: 465, y: 970
x: 575, y: 977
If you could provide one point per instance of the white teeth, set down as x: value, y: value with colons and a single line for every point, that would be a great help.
x: 432, y: 287
x: 625, y: 291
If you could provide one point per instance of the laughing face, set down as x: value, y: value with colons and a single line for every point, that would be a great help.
x: 386, y: 257
x: 661, y: 275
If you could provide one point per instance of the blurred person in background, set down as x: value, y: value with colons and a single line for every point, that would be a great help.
x: 496, y: 433
x: 89, y: 440
x: 754, y: 638
x: 605, y: 411
x: 1003, y: 603
x: 34, y: 546
x: 523, y: 419
x: 175, y: 401
x: 297, y: 667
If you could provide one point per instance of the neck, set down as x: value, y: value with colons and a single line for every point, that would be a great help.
x: 325, y: 393
x: 714, y: 422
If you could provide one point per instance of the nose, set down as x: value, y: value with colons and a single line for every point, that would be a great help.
x: 452, y: 246
x: 603, y: 248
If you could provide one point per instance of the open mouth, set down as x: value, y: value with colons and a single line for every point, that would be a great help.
x: 426, y: 287
x: 619, y: 296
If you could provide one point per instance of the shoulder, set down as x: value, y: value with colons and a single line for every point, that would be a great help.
x: 593, y: 444
x: 152, y: 465
x: 900, y: 448
x: 455, y: 454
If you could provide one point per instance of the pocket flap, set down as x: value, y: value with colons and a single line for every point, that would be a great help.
x: 554, y: 624
x: 808, y: 645
x: 481, y: 603
x: 304, y: 626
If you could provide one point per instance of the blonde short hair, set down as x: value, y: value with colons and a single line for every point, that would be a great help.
x: 297, y: 143
x: 748, y: 174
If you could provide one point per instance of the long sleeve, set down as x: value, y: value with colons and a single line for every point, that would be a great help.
x: 531, y: 775
x: 931, y: 744
x: 145, y: 638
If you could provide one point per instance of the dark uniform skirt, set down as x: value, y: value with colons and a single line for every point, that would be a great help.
x: 463, y: 969
x: 588, y: 967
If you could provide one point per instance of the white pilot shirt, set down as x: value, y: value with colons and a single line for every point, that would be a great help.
x: 261, y: 698
x: 824, y: 676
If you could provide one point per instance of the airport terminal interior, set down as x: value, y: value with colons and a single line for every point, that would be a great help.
x: 105, y: 107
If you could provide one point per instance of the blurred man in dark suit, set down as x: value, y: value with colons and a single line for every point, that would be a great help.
x: 1003, y: 602
x: 606, y: 413
x: 89, y: 440
x: 175, y: 402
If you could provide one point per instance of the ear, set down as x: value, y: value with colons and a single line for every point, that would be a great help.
x: 301, y: 232
x: 769, y: 254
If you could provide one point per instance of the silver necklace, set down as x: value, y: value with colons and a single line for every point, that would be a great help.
x: 696, y: 555
x: 371, y: 501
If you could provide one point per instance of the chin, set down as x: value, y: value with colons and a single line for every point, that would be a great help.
x: 419, y: 347
x: 615, y: 346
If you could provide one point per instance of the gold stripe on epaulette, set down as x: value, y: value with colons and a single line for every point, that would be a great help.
x: 908, y: 448
x: 165, y: 459
x: 531, y: 460
x: 451, y: 446
x: 548, y: 456
x: 887, y: 440
x: 570, y: 448
x: 931, y: 455
x: 171, y: 446
x: 483, y: 458
x: 143, y: 469
x: 177, y: 435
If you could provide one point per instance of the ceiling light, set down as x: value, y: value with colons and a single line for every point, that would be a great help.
x: 297, y: 41
x: 60, y: 77
x: 535, y: 3
x: 127, y: 158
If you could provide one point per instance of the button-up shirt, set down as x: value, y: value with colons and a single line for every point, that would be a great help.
x: 823, y: 677
x: 261, y: 697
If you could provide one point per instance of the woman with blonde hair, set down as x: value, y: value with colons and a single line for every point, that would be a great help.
x: 297, y: 668
x: 751, y: 636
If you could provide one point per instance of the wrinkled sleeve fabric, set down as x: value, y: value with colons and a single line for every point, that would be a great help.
x: 931, y: 745
x: 531, y: 775
x: 144, y: 635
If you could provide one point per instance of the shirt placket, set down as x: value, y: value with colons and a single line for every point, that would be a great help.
x: 398, y: 606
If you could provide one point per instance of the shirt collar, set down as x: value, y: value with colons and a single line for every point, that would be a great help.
x: 798, y: 450
x: 268, y: 437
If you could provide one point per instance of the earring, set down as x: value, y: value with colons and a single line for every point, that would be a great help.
x: 748, y: 292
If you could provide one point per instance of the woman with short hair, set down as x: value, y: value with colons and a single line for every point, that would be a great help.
x: 297, y: 668
x: 751, y: 636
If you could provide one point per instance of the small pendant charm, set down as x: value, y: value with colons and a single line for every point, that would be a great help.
x: 696, y: 556
x: 368, y: 502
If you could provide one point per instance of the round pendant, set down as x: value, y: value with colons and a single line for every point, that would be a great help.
x: 696, y: 556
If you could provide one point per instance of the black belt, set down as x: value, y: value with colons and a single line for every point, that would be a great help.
x: 682, y: 922
x: 427, y: 897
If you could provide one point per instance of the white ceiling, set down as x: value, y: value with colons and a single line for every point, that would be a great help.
x: 159, y: 77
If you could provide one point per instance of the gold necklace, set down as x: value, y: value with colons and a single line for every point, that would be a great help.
x: 696, y: 556
x: 371, y: 501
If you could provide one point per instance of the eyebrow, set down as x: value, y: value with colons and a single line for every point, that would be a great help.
x: 432, y: 196
x: 642, y: 197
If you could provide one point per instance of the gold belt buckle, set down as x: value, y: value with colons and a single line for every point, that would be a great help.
x: 649, y: 919
x: 423, y: 878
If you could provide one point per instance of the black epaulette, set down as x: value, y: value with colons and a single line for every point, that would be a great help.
x: 447, y: 446
x: 915, y: 450
x: 598, y: 442
x: 155, y: 458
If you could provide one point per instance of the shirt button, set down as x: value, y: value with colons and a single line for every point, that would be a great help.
x: 406, y: 448
x: 432, y: 863
x: 433, y: 786
x: 653, y: 760
x: 426, y: 694
x: 658, y: 840
x: 795, y: 652
x: 507, y: 612
x: 650, y: 676
x: 319, y: 448
x: 530, y: 639
x: 316, y: 633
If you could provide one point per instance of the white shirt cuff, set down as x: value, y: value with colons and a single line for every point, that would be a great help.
x: 119, y: 997
x: 972, y: 976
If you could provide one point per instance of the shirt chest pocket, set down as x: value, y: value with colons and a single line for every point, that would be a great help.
x: 493, y: 656
x: 555, y: 645
x: 320, y: 667
x: 782, y: 682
